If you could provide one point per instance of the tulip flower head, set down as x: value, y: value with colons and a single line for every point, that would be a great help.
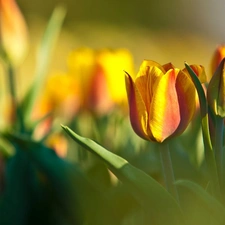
x: 13, y: 31
x: 216, y: 91
x: 218, y: 56
x: 99, y: 73
x: 161, y: 101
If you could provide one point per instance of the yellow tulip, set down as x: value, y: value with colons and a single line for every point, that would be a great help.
x: 161, y: 101
x: 114, y: 62
x: 13, y: 31
x: 100, y: 75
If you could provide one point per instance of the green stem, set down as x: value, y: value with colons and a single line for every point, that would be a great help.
x: 168, y: 170
x: 18, y: 117
x: 219, y: 148
x: 210, y: 158
x: 12, y: 86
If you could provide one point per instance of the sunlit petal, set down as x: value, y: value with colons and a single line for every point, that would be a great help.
x: 164, y: 117
x: 146, y: 64
x: 138, y: 111
x: 186, y: 98
x: 145, y: 84
x: 168, y: 66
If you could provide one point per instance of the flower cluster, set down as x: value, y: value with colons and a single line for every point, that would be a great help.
x: 94, y: 82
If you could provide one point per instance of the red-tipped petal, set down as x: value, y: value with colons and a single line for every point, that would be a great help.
x: 138, y: 112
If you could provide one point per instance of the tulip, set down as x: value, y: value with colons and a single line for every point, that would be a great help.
x: 13, y: 31
x: 161, y: 101
x: 100, y: 76
x: 216, y: 91
x: 216, y: 102
x: 219, y: 54
x: 199, y: 71
x: 113, y: 62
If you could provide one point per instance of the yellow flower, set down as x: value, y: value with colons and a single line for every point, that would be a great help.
x: 100, y: 74
x: 13, y: 31
x: 161, y: 101
x: 113, y: 64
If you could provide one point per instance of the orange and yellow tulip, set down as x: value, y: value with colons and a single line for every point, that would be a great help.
x: 100, y: 75
x: 161, y: 101
x: 218, y: 56
x: 13, y: 31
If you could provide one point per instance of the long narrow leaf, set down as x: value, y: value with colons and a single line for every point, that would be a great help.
x: 209, y: 154
x: 43, y: 58
x: 160, y: 206
x: 60, y: 174
x: 15, y: 202
x: 211, y: 206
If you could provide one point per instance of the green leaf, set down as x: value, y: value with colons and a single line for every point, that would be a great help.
x: 43, y: 58
x: 158, y: 204
x: 215, y: 91
x: 208, y: 204
x: 209, y: 154
x: 57, y: 172
x: 15, y: 202
x: 200, y: 90
x: 76, y: 199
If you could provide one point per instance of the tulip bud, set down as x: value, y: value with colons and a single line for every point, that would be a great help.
x: 216, y: 91
x: 217, y: 57
x: 13, y: 31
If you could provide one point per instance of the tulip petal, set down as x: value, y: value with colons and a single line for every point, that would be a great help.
x: 199, y: 71
x: 146, y: 82
x: 164, y: 117
x: 138, y: 111
x: 217, y: 58
x: 187, y: 100
x: 168, y: 66
x: 13, y: 31
x: 216, y: 90
x: 148, y: 64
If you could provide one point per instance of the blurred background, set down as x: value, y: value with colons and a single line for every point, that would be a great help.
x: 165, y: 31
